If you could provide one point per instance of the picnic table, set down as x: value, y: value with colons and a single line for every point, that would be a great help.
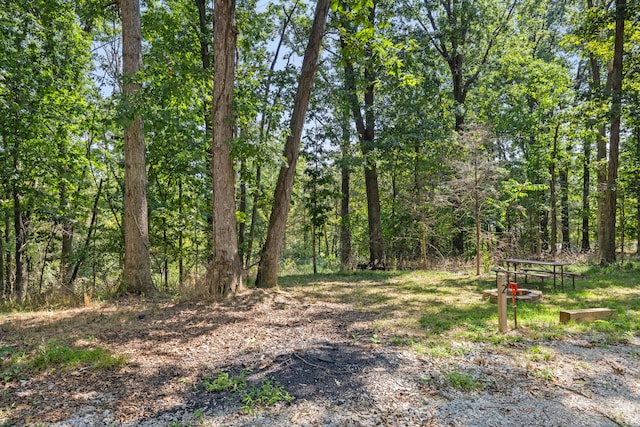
x: 553, y: 269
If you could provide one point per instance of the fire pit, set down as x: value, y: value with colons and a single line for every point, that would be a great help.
x: 524, y: 295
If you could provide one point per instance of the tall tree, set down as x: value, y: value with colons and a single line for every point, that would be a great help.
x: 458, y: 31
x: 365, y: 126
x: 607, y: 239
x: 268, y: 268
x: 346, y: 262
x: 137, y: 265
x: 464, y: 33
x: 224, y: 274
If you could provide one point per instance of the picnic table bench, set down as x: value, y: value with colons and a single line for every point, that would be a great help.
x: 553, y: 270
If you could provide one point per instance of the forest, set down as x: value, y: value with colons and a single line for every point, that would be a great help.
x: 189, y: 146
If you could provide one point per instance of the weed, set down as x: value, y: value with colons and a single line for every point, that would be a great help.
x: 374, y: 339
x: 269, y: 392
x: 463, y: 381
x: 539, y: 353
x: 545, y: 374
x: 225, y: 382
x: 445, y: 350
x: 198, y: 415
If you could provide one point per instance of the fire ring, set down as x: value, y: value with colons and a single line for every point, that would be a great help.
x: 524, y: 295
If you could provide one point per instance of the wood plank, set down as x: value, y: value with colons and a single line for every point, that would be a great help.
x: 501, y: 279
x: 587, y: 314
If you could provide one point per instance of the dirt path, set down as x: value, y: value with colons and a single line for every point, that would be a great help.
x: 331, y: 356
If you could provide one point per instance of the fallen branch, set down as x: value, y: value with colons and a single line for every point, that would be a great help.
x: 309, y: 363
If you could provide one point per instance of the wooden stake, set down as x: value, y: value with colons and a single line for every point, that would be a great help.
x: 502, y: 301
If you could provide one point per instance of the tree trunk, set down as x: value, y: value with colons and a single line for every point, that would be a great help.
x: 476, y: 210
x: 586, y: 208
x: 67, y: 242
x: 563, y: 176
x: 264, y: 131
x: 92, y: 226
x: 224, y: 274
x: 608, y: 247
x: 314, y: 251
x: 637, y: 187
x: 2, y: 281
x: 20, y: 224
x: 9, y: 283
x: 180, y: 239
x: 268, y: 268
x: 553, y: 194
x: 366, y: 133
x: 205, y: 57
x: 622, y: 227
x: 242, y: 226
x: 137, y: 265
x: 345, y: 174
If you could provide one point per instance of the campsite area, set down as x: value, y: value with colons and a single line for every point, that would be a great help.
x: 361, y: 349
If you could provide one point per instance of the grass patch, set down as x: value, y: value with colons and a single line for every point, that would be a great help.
x: 463, y: 381
x: 17, y: 363
x: 440, y: 307
x: 544, y: 374
x: 225, y: 382
x: 266, y: 393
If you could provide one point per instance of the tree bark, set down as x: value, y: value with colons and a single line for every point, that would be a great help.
x: 205, y: 57
x: 20, y: 224
x: 67, y: 242
x: 608, y: 246
x: 268, y: 268
x: 586, y: 208
x: 7, y: 265
x: 137, y: 265
x: 637, y: 188
x: 2, y: 281
x: 345, y: 174
x: 553, y: 194
x: 242, y: 208
x: 563, y: 177
x: 224, y: 273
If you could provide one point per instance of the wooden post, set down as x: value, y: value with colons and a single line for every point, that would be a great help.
x: 501, y: 279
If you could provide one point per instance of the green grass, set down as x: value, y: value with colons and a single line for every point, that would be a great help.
x: 224, y: 382
x: 425, y: 309
x: 266, y: 393
x: 16, y: 363
x: 463, y: 381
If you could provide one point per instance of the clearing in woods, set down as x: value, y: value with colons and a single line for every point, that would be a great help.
x: 370, y: 348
